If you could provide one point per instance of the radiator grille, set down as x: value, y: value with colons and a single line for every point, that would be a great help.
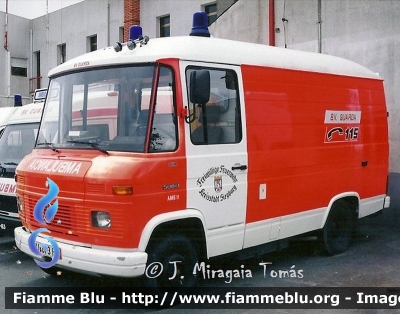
x: 73, y: 220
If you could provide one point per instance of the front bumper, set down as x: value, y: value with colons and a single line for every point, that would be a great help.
x: 96, y: 261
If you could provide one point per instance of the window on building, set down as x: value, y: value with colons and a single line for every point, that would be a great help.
x: 165, y: 26
x: 37, y: 63
x: 211, y: 10
x: 92, y: 43
x: 121, y: 34
x: 61, y: 53
x: 19, y: 67
x: 35, y: 81
x: 18, y: 71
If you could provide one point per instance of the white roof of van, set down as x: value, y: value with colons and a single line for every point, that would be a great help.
x: 27, y: 114
x: 210, y: 49
x: 5, y: 114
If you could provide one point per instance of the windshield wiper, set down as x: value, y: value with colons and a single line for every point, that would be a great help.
x: 10, y: 163
x: 92, y: 144
x: 49, y: 145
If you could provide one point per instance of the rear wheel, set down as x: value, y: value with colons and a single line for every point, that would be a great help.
x: 339, y: 228
x: 171, y: 262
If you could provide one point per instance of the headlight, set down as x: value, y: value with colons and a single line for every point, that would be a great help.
x: 20, y: 205
x: 101, y: 219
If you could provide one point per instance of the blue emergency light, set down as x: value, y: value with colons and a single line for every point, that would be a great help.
x: 135, y: 32
x: 200, y: 25
x: 135, y: 38
x: 17, y: 100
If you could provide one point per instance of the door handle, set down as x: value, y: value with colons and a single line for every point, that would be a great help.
x: 239, y: 167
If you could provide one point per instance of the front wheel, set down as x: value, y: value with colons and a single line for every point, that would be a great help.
x: 338, y: 229
x: 170, y: 263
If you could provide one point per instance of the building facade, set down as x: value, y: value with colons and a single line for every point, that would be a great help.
x: 38, y: 45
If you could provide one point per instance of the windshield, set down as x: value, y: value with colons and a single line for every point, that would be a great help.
x: 17, y: 141
x: 109, y: 109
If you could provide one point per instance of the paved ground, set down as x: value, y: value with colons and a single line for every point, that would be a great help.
x: 371, y: 261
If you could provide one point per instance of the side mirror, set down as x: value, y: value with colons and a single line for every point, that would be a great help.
x: 230, y: 80
x: 199, y: 87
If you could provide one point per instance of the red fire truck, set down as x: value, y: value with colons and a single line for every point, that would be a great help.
x: 207, y: 147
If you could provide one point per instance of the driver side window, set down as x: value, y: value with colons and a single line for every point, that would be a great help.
x: 217, y: 119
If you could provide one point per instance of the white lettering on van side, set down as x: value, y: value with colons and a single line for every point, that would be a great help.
x: 55, y: 166
x: 333, y: 116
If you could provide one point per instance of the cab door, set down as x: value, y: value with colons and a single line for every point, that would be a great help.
x: 216, y: 152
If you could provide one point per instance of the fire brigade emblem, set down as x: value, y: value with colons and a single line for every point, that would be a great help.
x: 218, y: 184
x: 216, y: 174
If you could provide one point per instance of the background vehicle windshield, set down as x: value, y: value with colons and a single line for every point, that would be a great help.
x: 106, y: 108
x: 16, y: 142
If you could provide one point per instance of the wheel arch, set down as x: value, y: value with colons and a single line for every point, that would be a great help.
x: 189, y: 223
x: 351, y: 198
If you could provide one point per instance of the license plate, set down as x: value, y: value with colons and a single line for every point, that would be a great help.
x: 45, y: 249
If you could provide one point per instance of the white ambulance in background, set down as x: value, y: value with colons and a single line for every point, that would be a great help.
x: 17, y: 140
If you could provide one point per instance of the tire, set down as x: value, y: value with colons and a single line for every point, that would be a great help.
x: 339, y: 228
x: 173, y: 248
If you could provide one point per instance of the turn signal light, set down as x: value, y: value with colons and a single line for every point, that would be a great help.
x: 122, y: 190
